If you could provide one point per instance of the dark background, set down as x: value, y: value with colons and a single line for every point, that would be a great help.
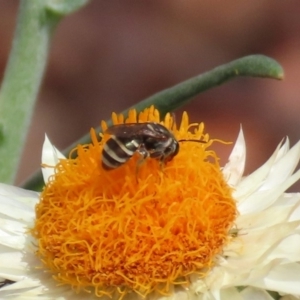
x: 112, y: 54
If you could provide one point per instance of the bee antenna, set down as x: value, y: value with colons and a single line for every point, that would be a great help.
x: 197, y: 141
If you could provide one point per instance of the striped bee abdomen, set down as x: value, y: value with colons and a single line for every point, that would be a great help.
x: 117, y: 151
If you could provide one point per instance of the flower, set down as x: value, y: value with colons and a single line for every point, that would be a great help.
x: 180, y: 229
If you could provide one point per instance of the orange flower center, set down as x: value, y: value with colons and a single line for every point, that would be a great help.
x: 119, y: 231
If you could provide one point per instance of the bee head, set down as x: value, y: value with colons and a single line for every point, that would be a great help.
x: 172, y: 150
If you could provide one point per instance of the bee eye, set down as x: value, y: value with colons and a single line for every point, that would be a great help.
x: 172, y: 150
x: 176, y: 148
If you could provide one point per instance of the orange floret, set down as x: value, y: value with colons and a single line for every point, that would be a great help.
x: 115, y: 232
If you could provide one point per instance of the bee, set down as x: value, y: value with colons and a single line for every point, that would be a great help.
x: 148, y: 139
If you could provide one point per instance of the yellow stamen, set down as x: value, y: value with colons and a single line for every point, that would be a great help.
x: 108, y: 232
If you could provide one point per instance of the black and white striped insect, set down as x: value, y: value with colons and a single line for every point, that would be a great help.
x: 148, y: 139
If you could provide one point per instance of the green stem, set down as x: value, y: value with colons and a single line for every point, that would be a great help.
x: 22, y: 80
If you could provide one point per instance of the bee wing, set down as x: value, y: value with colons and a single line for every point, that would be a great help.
x: 134, y: 130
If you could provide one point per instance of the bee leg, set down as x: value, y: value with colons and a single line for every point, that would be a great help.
x: 162, y: 163
x: 144, y: 154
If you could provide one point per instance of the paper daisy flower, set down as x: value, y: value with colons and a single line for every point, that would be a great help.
x: 183, y: 228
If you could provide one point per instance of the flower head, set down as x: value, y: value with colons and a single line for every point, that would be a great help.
x: 120, y: 231
x: 179, y: 229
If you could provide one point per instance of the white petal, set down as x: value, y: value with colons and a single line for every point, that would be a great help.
x: 284, y: 148
x: 283, y: 168
x: 50, y: 157
x: 287, y: 200
x: 22, y: 211
x: 12, y: 226
x: 281, y: 278
x: 25, y: 284
x: 264, y: 219
x: 234, y: 169
x: 180, y: 294
x: 252, y: 182
x: 269, y: 181
x: 9, y: 190
x: 251, y: 293
x: 15, y: 242
x: 288, y: 248
x: 11, y: 260
x: 262, y: 199
x: 231, y: 293
x: 226, y: 294
x: 257, y: 247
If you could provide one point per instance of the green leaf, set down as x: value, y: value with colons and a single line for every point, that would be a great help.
x: 23, y: 75
x: 176, y: 96
x: 21, y: 82
x: 65, y: 7
x: 274, y: 295
x: 1, y: 133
